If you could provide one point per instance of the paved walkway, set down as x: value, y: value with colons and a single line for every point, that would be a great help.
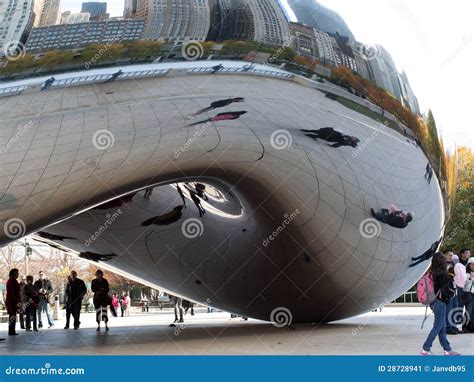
x: 394, y: 331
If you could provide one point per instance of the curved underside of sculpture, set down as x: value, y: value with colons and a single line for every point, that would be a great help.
x: 248, y: 212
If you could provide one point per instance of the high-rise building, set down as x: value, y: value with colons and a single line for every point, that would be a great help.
x: 392, y: 71
x: 50, y: 13
x: 408, y: 96
x: 175, y: 20
x: 76, y: 18
x: 325, y: 49
x: 129, y: 9
x: 74, y: 36
x: 97, y: 10
x: 16, y: 20
x: 361, y: 60
x: 311, y: 13
x: 261, y: 21
x: 343, y: 53
x: 304, y: 40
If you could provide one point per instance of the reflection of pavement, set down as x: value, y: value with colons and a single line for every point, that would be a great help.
x: 395, y: 330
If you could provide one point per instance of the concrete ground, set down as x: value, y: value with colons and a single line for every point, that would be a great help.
x: 394, y: 331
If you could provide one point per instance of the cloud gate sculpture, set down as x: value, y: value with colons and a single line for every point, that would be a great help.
x: 248, y: 212
x: 237, y: 185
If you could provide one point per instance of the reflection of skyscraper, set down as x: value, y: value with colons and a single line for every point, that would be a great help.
x: 262, y: 21
x: 384, y: 72
x: 50, y: 13
x: 129, y: 8
x: 408, y: 96
x: 317, y: 16
x: 96, y: 9
x: 16, y: 21
x: 175, y: 20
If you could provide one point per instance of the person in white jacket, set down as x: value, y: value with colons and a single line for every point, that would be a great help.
x: 469, y: 294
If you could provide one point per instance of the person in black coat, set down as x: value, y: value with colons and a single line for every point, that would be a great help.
x: 31, y: 301
x: 328, y: 134
x: 75, y: 292
x: 100, y: 287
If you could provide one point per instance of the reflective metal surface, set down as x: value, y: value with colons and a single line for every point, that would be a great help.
x: 223, y: 188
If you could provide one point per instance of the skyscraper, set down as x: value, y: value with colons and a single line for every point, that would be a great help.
x: 16, y: 21
x: 261, y: 21
x: 97, y: 10
x: 311, y: 13
x: 408, y: 96
x: 50, y: 13
x: 129, y: 8
x: 175, y: 20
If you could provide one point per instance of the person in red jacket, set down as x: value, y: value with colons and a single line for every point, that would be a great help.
x: 13, y: 300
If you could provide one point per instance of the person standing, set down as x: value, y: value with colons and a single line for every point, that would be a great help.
x: 459, y: 282
x: 469, y: 297
x: 45, y: 288
x: 452, y: 302
x: 21, y: 312
x: 464, y: 256
x: 100, y: 287
x: 13, y: 300
x: 178, y: 308
x: 31, y: 301
x: 76, y: 290
x: 443, y: 290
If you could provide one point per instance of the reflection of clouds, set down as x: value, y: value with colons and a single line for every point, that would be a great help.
x: 461, y: 48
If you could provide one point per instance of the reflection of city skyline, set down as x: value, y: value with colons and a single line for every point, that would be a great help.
x: 319, y: 34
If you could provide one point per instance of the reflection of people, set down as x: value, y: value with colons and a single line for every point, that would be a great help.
x: 48, y: 83
x: 115, y: 76
x: 178, y: 308
x: 426, y: 255
x: 443, y: 290
x: 181, y: 194
x: 469, y: 296
x: 228, y: 116
x: 166, y: 219
x: 201, y: 191
x: 216, y: 68
x: 45, y: 288
x: 148, y: 193
x: 219, y: 104
x: 13, y: 300
x: 100, y: 287
x: 393, y: 216
x: 248, y: 67
x: 197, y: 202
x: 330, y: 135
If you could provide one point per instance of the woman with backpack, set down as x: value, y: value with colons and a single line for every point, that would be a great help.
x: 443, y: 289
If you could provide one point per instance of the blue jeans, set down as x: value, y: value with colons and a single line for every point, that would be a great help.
x: 439, y: 327
x: 43, y: 306
x: 452, y: 304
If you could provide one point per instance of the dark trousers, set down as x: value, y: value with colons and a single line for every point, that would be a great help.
x: 31, y: 316
x: 75, y: 309
x: 11, y: 324
x: 22, y: 319
x: 450, y: 306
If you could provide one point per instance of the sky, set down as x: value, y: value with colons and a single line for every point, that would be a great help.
x: 433, y: 41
